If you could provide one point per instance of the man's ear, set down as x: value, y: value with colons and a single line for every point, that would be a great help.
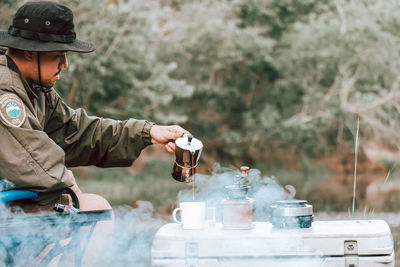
x: 28, y: 55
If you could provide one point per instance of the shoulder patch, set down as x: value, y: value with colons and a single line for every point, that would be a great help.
x: 12, y: 110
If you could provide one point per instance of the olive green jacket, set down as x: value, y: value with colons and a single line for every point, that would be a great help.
x: 39, y: 143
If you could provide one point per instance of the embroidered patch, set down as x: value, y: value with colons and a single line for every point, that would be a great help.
x: 12, y: 110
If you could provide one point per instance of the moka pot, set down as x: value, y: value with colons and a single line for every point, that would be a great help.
x: 187, y: 154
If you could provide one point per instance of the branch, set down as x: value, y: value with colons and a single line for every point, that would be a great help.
x: 348, y: 83
x: 118, y: 38
x: 88, y: 96
x: 72, y: 93
x: 118, y: 101
x: 381, y: 101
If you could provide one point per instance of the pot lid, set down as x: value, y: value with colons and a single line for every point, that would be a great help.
x: 292, y: 208
x: 188, y: 142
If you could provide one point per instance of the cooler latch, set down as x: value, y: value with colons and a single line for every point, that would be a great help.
x: 191, y: 254
x: 350, y: 253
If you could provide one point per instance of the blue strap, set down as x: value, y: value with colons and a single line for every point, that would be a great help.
x: 11, y: 195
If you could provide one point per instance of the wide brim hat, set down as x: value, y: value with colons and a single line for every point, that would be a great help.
x: 43, y: 26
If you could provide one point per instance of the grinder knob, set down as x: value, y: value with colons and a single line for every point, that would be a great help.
x: 244, y: 170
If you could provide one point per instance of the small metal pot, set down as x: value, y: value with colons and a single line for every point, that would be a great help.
x: 292, y: 214
x: 187, y: 155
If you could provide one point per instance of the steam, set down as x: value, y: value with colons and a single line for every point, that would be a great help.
x: 133, y: 236
x: 135, y: 228
x: 265, y: 191
x: 24, y: 236
x: 211, y: 189
x: 291, y: 190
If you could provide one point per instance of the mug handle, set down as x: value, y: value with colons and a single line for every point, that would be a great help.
x: 174, y: 215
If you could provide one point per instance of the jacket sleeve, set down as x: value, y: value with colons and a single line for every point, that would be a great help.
x: 28, y: 157
x: 90, y: 140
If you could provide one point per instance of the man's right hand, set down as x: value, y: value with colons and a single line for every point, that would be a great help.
x: 166, y: 135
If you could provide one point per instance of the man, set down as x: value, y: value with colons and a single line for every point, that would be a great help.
x: 40, y: 135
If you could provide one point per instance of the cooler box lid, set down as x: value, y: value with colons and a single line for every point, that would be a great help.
x: 324, y: 238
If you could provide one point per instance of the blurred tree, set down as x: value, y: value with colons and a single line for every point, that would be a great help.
x: 123, y: 77
x: 7, y: 8
x: 8, y: 3
x: 278, y: 15
x: 256, y: 80
x: 230, y: 66
x: 228, y: 51
x: 346, y: 62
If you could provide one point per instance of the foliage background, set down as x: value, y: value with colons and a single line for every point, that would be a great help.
x: 277, y: 85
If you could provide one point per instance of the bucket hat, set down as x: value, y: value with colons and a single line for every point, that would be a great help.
x: 43, y: 26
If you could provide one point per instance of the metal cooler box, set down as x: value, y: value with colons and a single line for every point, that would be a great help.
x: 349, y: 243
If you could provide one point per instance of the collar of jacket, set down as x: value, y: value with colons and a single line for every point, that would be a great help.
x: 13, y: 67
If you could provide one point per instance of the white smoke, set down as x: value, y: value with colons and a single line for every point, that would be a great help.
x: 23, y: 235
x: 134, y: 232
x: 211, y: 189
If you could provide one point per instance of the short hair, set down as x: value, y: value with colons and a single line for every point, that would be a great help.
x: 15, y: 52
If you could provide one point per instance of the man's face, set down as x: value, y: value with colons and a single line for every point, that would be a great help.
x: 51, y: 64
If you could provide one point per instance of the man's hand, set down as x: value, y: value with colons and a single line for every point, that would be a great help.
x: 166, y: 135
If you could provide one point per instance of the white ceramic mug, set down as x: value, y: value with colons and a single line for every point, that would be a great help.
x: 192, y: 214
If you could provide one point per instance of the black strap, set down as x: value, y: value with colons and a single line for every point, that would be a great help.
x: 38, y: 66
x: 43, y: 89
x: 49, y: 100
x: 75, y: 200
x: 47, y: 37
